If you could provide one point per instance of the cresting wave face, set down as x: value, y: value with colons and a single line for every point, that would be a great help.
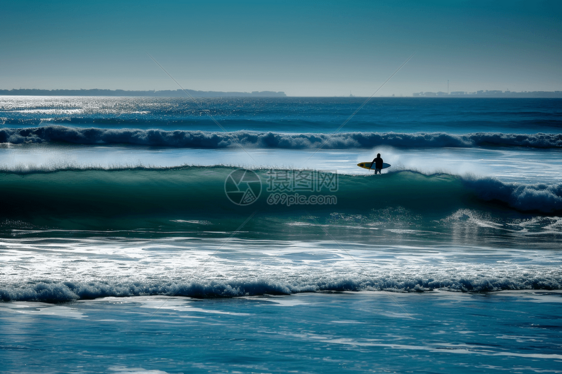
x: 210, y: 140
x: 98, y: 198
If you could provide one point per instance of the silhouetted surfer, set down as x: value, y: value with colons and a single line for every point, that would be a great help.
x: 378, y: 164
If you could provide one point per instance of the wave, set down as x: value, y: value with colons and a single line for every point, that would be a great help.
x: 211, y: 140
x: 119, y: 198
x: 57, y: 291
x: 538, y: 197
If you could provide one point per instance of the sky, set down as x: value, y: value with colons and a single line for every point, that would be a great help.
x: 304, y: 48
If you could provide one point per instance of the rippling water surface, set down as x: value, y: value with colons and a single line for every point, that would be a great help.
x: 122, y: 250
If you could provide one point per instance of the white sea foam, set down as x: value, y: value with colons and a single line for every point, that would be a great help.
x: 72, y: 269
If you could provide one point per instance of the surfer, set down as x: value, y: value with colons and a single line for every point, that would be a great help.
x: 377, y: 162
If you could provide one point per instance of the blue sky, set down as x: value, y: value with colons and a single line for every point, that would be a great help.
x: 305, y: 48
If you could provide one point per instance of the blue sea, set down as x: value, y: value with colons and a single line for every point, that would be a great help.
x: 170, y: 235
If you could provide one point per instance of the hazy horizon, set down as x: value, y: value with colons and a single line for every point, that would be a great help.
x: 313, y: 49
x: 179, y: 93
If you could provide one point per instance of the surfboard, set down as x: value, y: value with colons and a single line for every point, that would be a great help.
x: 367, y: 165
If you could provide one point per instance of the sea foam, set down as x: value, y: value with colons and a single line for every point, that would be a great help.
x: 53, y: 291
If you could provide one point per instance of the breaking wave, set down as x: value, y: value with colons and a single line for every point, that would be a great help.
x: 210, y: 140
x: 57, y: 291
x: 525, y: 197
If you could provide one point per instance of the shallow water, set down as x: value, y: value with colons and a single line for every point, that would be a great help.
x: 440, y: 332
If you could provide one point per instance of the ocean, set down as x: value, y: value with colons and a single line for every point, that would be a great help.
x: 170, y: 235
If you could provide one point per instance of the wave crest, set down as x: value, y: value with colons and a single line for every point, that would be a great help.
x: 52, y: 291
x: 526, y: 197
x: 211, y: 140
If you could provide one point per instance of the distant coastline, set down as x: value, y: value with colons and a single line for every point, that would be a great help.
x: 203, y: 94
x: 493, y: 93
x: 163, y: 93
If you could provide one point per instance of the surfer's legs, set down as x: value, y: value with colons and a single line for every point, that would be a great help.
x: 378, y: 171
